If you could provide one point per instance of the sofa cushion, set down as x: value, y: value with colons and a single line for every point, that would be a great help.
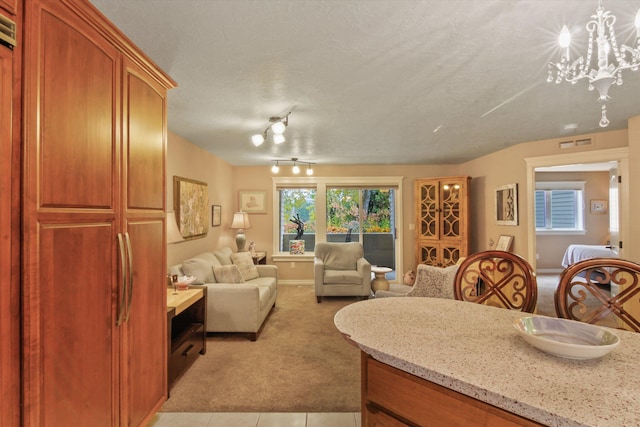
x: 347, y: 277
x: 245, y: 264
x: 339, y: 256
x: 228, y: 274
x: 201, y: 266
x: 224, y: 255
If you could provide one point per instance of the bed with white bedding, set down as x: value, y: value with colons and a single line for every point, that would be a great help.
x: 575, y: 253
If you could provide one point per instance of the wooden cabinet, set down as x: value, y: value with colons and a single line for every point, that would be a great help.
x: 394, y: 398
x: 442, y: 220
x: 94, y: 328
x: 10, y: 6
x: 9, y: 226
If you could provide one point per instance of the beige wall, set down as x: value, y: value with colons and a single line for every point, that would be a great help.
x: 488, y: 172
x: 509, y: 166
x: 187, y: 160
x: 632, y: 245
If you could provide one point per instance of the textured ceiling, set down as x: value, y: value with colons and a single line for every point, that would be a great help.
x: 372, y: 81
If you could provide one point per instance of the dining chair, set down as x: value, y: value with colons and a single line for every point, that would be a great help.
x: 497, y: 278
x: 603, y: 291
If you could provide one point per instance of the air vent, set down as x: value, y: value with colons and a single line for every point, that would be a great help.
x: 582, y: 142
x: 566, y: 144
x: 7, y: 32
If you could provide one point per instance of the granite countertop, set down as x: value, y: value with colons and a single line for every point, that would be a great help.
x: 474, y: 349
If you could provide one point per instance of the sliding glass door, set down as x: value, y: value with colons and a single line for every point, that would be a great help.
x: 364, y: 215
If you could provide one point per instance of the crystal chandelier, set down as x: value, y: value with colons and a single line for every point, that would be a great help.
x: 602, y: 38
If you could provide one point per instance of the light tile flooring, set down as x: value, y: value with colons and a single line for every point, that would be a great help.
x: 251, y: 419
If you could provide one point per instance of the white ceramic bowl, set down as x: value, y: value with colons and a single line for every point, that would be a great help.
x: 566, y: 338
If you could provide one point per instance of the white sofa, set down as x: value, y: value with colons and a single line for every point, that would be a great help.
x: 240, y: 295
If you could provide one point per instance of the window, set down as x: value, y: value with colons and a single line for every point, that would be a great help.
x: 297, y: 203
x: 339, y: 209
x: 559, y: 206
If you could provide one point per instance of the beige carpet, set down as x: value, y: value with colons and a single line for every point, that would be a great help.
x: 300, y: 363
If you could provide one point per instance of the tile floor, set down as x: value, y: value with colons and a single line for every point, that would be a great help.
x: 251, y: 419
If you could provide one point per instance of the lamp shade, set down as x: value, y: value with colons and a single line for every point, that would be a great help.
x: 240, y: 220
x: 173, y: 233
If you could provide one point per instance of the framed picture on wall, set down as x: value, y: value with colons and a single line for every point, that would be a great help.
x: 598, y: 206
x: 191, y: 204
x: 216, y: 215
x: 252, y: 201
x: 504, y: 243
x: 507, y: 204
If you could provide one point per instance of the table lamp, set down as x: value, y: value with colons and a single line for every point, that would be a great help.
x: 240, y: 222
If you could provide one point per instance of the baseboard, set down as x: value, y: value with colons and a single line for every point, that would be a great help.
x: 549, y: 271
x: 297, y: 282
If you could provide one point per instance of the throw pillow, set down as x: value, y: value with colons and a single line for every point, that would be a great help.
x: 434, y: 282
x: 200, y: 269
x: 245, y: 264
x: 227, y: 274
x: 224, y: 255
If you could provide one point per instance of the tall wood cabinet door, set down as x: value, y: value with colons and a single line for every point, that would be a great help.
x: 450, y: 208
x: 145, y: 375
x: 71, y: 282
x: 9, y: 270
x: 145, y: 357
x: 145, y: 140
x: 428, y: 205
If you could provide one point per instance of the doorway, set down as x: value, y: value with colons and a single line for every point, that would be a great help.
x: 618, y: 155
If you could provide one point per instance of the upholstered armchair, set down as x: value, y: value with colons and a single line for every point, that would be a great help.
x: 340, y: 269
x: 431, y: 281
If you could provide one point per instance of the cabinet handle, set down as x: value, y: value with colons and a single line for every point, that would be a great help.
x: 130, y: 254
x: 123, y: 270
x: 188, y: 349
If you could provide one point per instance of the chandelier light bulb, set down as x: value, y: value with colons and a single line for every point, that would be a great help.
x: 278, y: 128
x: 257, y: 139
x: 565, y: 37
x: 295, y: 169
x: 278, y: 139
x: 275, y: 168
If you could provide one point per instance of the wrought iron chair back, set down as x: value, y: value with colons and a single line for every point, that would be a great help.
x: 497, y: 278
x: 604, y: 291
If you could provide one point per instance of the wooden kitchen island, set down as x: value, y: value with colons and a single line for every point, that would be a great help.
x: 435, y: 362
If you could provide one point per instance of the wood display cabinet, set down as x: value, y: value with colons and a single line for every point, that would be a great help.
x: 187, y: 337
x: 442, y: 218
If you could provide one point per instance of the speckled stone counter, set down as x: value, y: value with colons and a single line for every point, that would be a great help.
x: 474, y: 349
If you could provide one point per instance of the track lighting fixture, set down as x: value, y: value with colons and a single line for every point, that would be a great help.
x: 277, y: 126
x: 295, y: 169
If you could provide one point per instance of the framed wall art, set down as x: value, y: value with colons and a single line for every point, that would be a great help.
x: 507, y: 204
x: 504, y: 243
x: 216, y: 215
x: 252, y: 201
x: 598, y: 206
x: 191, y: 204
